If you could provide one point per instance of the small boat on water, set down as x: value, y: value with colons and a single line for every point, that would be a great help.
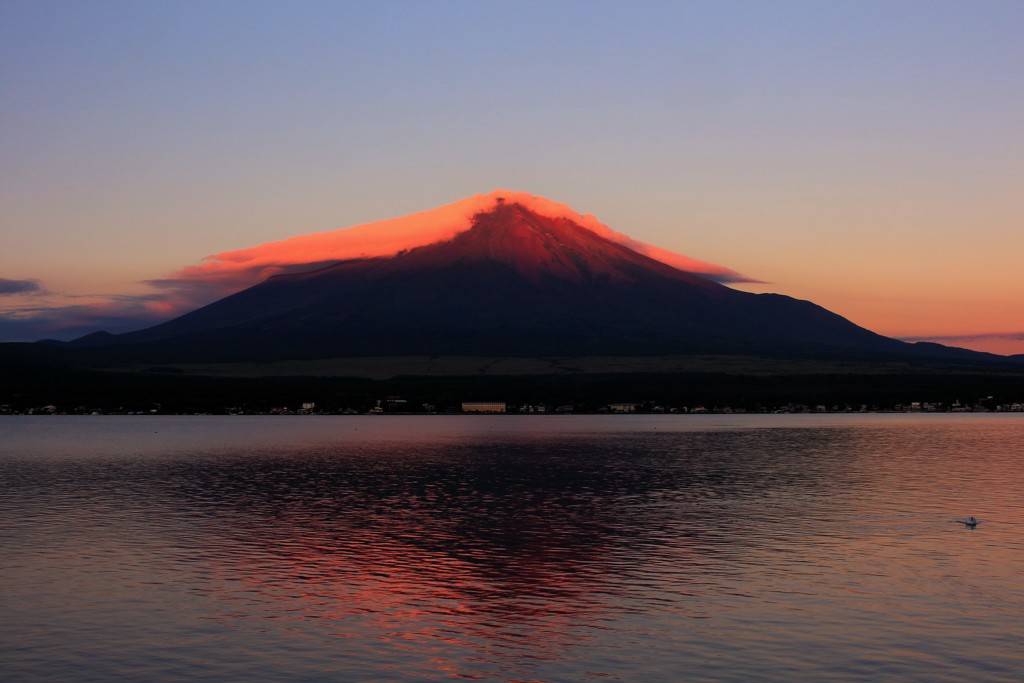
x: 970, y: 522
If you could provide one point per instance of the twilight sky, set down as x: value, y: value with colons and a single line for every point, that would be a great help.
x: 868, y: 156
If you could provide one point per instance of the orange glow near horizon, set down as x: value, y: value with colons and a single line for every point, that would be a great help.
x: 964, y: 318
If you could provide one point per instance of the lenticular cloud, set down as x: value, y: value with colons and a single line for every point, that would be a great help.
x: 233, y: 270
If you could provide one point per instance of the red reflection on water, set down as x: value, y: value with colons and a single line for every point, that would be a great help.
x: 420, y: 579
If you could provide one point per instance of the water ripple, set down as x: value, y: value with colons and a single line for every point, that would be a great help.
x: 375, y: 549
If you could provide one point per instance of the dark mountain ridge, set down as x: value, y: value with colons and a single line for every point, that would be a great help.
x: 516, y: 283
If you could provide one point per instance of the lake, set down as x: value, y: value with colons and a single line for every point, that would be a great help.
x: 512, y: 548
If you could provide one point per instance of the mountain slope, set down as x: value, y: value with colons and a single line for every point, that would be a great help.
x: 516, y: 283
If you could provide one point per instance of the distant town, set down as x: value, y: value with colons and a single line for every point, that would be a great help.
x: 395, y: 405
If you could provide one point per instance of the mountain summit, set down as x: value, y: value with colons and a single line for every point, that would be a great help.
x: 539, y: 249
x: 515, y: 282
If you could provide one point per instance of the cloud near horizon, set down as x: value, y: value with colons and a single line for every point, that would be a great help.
x: 8, y: 287
x: 225, y: 273
x: 112, y: 313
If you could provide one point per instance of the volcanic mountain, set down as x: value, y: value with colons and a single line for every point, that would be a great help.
x: 517, y: 282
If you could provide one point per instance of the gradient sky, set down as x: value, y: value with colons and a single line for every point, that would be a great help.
x: 868, y: 156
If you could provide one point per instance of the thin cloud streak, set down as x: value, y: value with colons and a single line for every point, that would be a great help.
x: 9, y: 287
x: 70, y: 322
x: 44, y: 318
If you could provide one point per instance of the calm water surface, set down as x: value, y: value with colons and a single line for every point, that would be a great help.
x: 667, y: 548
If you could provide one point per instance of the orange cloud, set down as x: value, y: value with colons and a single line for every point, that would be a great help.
x: 245, y: 267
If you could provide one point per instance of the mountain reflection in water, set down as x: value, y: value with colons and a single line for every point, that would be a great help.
x: 495, y: 548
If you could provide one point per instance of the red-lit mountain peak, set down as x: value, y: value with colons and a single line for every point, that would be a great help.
x: 539, y: 247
